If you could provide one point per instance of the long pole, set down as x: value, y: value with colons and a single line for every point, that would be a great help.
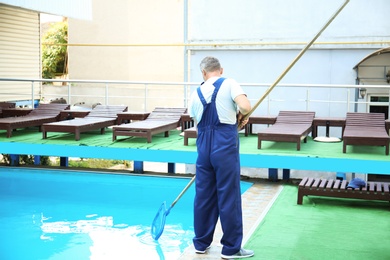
x: 295, y: 60
x: 183, y: 191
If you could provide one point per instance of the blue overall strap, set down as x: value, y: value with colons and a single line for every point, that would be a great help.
x: 217, y: 84
x: 201, y: 97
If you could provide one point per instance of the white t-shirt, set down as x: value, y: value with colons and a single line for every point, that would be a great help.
x: 226, y: 107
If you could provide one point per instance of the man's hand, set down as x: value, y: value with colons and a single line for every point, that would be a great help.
x: 240, y: 121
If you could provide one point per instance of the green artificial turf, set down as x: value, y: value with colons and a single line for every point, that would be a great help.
x: 248, y: 145
x: 322, y: 228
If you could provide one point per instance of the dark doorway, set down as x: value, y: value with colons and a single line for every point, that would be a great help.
x: 379, y: 107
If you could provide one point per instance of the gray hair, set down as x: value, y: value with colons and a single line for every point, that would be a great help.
x: 210, y: 64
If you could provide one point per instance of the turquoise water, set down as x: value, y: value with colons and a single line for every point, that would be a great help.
x: 55, y: 214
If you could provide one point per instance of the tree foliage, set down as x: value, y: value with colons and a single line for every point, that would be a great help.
x: 26, y: 160
x: 54, y: 50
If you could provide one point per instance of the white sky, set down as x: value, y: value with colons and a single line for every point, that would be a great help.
x: 50, y: 18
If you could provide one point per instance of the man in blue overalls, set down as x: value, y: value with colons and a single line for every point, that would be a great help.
x: 214, y: 106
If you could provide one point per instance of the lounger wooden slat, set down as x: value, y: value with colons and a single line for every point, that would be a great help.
x: 316, y: 183
x: 336, y: 184
x: 323, y: 183
x: 371, y: 186
x: 374, y: 187
x: 375, y: 191
x: 379, y: 187
x: 343, y: 185
x: 330, y: 184
x: 385, y: 188
x: 309, y: 182
x: 303, y: 181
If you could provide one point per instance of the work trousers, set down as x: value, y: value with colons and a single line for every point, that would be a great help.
x: 218, y: 188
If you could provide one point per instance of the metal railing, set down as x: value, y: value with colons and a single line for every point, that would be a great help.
x: 145, y: 95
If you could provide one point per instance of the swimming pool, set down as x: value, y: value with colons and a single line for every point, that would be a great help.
x: 63, y: 214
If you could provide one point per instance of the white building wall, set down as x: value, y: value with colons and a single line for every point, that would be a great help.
x: 288, y: 21
x: 131, y: 40
x: 123, y: 41
x: 256, y: 40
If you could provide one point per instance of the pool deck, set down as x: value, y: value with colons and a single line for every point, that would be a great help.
x: 313, y: 156
x: 256, y: 202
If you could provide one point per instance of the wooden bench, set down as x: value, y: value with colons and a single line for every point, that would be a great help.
x: 338, y: 188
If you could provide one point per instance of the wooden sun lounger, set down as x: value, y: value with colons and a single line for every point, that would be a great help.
x: 290, y: 126
x: 99, y: 118
x: 5, y: 105
x: 160, y: 120
x: 44, y: 113
x: 338, y: 188
x: 190, y: 133
x: 365, y: 129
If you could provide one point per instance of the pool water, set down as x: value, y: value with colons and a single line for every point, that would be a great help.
x: 62, y: 214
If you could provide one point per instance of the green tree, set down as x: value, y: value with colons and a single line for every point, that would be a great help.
x: 26, y: 160
x: 54, y: 50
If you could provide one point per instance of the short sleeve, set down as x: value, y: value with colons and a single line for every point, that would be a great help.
x: 235, y: 89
